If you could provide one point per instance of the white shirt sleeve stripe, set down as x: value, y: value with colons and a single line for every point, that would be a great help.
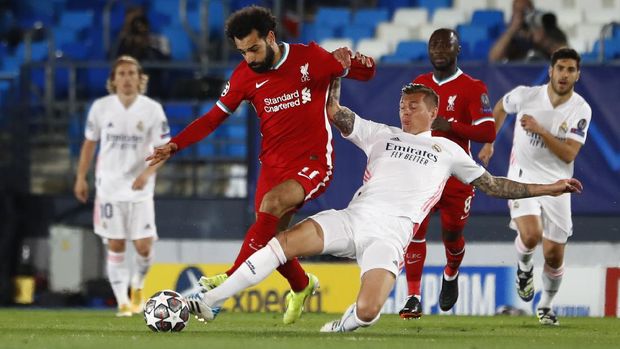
x: 479, y: 121
x: 223, y: 107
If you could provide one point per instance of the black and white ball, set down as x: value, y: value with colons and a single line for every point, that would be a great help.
x: 166, y: 311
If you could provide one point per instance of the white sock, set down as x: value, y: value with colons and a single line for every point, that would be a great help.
x: 254, y: 270
x: 524, y: 254
x: 552, y: 279
x: 118, y: 274
x: 350, y: 321
x: 141, y: 268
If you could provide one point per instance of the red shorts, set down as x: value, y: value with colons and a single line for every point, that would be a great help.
x: 313, y: 176
x: 453, y: 206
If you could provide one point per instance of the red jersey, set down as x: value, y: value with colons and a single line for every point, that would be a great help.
x: 465, y: 102
x: 290, y: 101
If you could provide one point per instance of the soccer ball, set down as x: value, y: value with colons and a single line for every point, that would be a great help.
x: 166, y: 311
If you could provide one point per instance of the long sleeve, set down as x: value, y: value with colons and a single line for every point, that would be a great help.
x: 482, y: 133
x: 199, y: 128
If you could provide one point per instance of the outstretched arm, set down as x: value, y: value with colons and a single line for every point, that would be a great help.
x: 505, y: 188
x: 342, y: 117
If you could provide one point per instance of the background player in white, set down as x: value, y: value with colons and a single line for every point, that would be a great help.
x: 407, y: 169
x: 128, y: 125
x: 550, y: 128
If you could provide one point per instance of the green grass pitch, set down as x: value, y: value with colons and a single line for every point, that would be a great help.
x: 24, y: 328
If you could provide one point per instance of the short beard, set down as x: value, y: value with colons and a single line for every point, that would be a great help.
x: 264, y: 66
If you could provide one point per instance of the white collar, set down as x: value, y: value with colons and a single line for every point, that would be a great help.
x: 456, y: 74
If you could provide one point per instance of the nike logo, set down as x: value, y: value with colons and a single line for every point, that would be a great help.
x: 412, y: 261
x: 259, y: 84
x: 465, y: 216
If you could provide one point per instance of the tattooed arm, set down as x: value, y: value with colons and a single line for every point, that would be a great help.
x: 502, y: 187
x: 342, y: 117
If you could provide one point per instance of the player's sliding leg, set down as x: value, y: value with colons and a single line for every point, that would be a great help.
x: 302, y: 240
x: 377, y: 283
x: 552, y: 274
x: 118, y: 274
x: 143, y: 261
x: 414, y: 263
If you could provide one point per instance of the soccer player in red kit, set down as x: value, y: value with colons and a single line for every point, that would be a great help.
x: 465, y: 115
x: 287, y: 85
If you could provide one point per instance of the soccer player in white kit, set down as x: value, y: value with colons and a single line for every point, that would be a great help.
x: 127, y: 125
x: 550, y: 128
x: 406, y: 172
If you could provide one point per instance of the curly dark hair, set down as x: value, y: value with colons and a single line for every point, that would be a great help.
x: 241, y: 23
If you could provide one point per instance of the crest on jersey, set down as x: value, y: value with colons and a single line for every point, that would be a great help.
x: 436, y: 148
x: 451, y: 101
x: 226, y: 88
x: 564, y: 127
x: 140, y: 126
x: 581, y: 126
x: 486, y: 103
x: 305, y: 75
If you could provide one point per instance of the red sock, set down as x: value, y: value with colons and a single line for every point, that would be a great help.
x: 414, y: 263
x: 256, y: 238
x: 295, y: 274
x: 259, y: 234
x: 455, y: 251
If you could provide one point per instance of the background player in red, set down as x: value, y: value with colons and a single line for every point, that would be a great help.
x: 287, y: 84
x: 465, y: 115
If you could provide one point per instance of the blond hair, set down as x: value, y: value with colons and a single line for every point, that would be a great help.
x: 144, y: 79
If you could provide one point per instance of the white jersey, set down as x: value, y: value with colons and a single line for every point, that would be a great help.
x: 530, y: 159
x: 406, y: 173
x: 127, y: 136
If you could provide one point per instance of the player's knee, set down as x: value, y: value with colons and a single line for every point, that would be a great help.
x: 531, y: 238
x: 368, y: 311
x: 273, y: 204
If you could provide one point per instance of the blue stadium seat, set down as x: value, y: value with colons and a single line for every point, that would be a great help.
x: 493, y: 20
x: 77, y: 20
x: 38, y: 51
x: 357, y: 32
x: 413, y: 50
x: 318, y: 33
x: 472, y: 34
x: 371, y: 17
x: 432, y: 5
x: 63, y: 35
x: 92, y: 82
x: 393, y: 59
x: 332, y: 18
x: 611, y: 48
x: 180, y: 43
x: 179, y: 111
x: 392, y: 5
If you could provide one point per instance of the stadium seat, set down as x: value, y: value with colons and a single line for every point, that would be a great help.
x: 433, y: 5
x: 370, y: 17
x: 611, y: 48
x: 424, y: 32
x: 393, y: 33
x: 356, y: 32
x: 601, y: 17
x: 332, y: 17
x: 570, y: 18
x: 493, y: 20
x: 555, y: 6
x: 77, y: 20
x: 63, y: 35
x: 448, y: 18
x: 414, y: 50
x: 373, y: 47
x: 410, y: 16
x: 472, y: 34
x: 468, y: 6
x: 393, y: 5
x: 332, y: 44
x: 180, y: 43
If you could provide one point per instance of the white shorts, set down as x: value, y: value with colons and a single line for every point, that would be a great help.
x: 374, y: 241
x: 555, y: 213
x: 125, y: 220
